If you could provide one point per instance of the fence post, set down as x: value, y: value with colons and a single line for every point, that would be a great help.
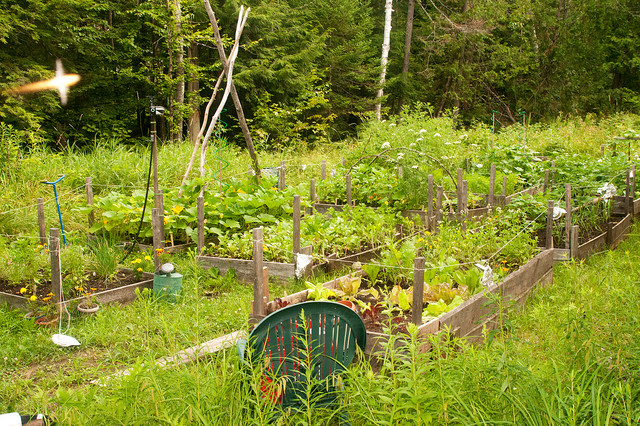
x: 504, y: 187
x: 439, y: 194
x: 627, y: 192
x: 492, y: 190
x: 633, y: 189
x: 549, y: 233
x: 348, y: 183
x: 567, y: 216
x: 430, y: 202
x: 418, y: 290
x: 323, y: 170
x: 56, y: 270
x: 89, y: 185
x: 459, y: 194
x: 42, y: 230
x: 400, y: 172
x: 463, y: 211
x: 545, y: 187
x: 281, y: 180
x: 312, y: 190
x: 573, y: 249
x: 258, y: 285
x: 342, y: 163
x: 200, y: 224
x: 296, y: 226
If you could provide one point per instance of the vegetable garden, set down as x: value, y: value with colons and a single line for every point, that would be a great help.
x: 423, y: 233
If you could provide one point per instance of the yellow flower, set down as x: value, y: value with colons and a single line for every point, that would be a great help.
x: 221, y: 215
x: 46, y: 299
x: 33, y: 298
x: 166, y: 220
x: 93, y: 289
x: 386, y: 203
x: 177, y: 209
x: 240, y: 191
x: 105, y: 221
x: 159, y: 250
x: 23, y: 290
x: 147, y: 258
x: 50, y: 294
x: 139, y: 269
x: 273, y: 188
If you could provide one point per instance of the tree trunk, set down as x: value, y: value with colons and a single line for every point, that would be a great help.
x: 384, y: 59
x: 193, y: 88
x: 177, y: 14
x: 407, y: 48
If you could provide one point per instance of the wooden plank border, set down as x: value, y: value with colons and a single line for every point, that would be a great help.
x: 245, y: 268
x: 618, y: 232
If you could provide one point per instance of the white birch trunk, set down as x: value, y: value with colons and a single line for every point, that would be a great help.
x: 386, y: 45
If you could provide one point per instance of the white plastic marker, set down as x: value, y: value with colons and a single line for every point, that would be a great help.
x: 60, y: 83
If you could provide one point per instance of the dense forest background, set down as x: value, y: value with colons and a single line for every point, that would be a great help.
x: 308, y: 70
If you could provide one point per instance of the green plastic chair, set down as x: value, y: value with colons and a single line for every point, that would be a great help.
x: 321, y: 346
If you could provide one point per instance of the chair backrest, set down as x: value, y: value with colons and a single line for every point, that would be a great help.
x: 325, y: 342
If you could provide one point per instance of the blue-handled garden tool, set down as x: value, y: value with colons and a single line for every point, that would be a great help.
x: 55, y: 193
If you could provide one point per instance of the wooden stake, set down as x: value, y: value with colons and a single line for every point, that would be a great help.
x: 89, y: 186
x: 42, y: 230
x: 258, y: 285
x: 296, y: 226
x: 265, y: 287
x: 323, y: 170
x: 491, y: 198
x: 400, y: 172
x: 549, y: 233
x: 459, y: 193
x: 627, y: 192
x: 56, y: 269
x: 504, y: 186
x: 573, y: 248
x: 200, y: 204
x: 567, y: 216
x: 348, y: 183
x: 281, y: 181
x: 633, y: 189
x: 463, y: 211
x: 312, y: 190
x: 545, y: 186
x: 342, y: 161
x: 430, y: 201
x: 439, y: 195
x: 418, y: 290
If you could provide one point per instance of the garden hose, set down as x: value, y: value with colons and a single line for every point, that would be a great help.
x: 144, y: 208
x: 216, y: 154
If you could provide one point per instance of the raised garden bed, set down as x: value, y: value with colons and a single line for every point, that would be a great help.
x: 122, y: 289
x: 467, y: 320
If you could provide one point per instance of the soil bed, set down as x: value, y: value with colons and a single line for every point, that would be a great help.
x: 122, y: 278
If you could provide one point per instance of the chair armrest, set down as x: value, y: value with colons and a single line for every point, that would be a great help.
x: 241, y: 346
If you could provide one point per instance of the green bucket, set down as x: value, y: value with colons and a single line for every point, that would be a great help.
x: 167, y: 286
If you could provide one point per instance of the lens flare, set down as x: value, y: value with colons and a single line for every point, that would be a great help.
x: 60, y: 83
